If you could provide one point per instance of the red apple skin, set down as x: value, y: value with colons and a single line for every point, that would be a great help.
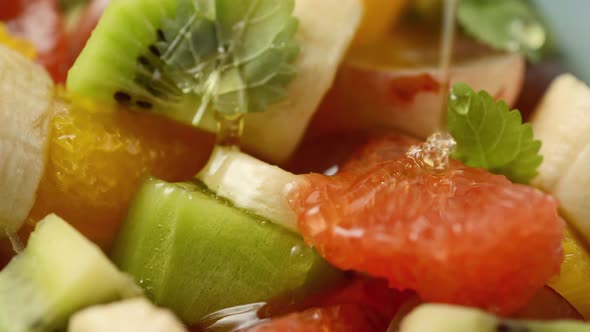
x: 365, y: 97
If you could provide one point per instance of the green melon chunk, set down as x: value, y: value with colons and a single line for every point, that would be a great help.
x: 196, y: 254
x: 57, y: 274
x: 446, y: 318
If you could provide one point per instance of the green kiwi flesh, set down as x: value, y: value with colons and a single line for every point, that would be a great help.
x: 446, y: 318
x: 195, y: 253
x: 57, y: 274
x: 121, y: 62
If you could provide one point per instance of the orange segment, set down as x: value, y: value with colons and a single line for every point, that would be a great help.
x: 98, y: 158
x: 379, y: 15
x: 22, y: 46
x: 573, y: 282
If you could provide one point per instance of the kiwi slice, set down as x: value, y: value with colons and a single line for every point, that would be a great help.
x: 187, y: 58
x: 446, y: 318
x: 196, y: 254
x: 57, y: 274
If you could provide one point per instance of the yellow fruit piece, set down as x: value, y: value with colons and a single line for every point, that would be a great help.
x: 97, y: 158
x: 22, y: 46
x: 573, y: 282
x: 378, y: 17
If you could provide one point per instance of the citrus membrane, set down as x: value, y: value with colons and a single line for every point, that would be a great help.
x: 364, y: 304
x: 466, y: 236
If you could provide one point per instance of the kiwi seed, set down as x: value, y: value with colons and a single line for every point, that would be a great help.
x: 122, y: 97
x: 144, y: 104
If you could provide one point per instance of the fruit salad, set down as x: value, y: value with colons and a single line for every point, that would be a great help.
x: 291, y: 165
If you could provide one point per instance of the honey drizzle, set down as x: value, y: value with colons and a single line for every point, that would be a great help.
x: 446, y: 56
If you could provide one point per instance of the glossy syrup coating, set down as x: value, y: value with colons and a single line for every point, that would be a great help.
x: 465, y: 237
x: 98, y: 157
x: 364, y: 304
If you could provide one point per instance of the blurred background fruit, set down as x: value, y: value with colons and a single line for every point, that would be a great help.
x: 395, y: 82
x: 40, y: 21
x: 378, y: 18
x: 98, y: 157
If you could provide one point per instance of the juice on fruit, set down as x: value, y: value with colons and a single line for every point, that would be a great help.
x: 463, y: 236
x: 98, y: 157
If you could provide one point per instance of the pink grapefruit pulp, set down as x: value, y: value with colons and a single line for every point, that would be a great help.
x: 465, y: 237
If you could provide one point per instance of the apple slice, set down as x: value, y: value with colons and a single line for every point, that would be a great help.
x: 396, y: 83
x: 378, y: 17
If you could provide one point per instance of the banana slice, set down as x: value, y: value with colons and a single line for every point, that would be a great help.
x: 326, y: 29
x: 573, y: 190
x: 562, y: 123
x: 128, y: 316
x: 26, y: 97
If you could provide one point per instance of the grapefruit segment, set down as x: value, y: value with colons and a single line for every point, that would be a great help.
x: 364, y: 304
x: 342, y: 318
x: 464, y: 237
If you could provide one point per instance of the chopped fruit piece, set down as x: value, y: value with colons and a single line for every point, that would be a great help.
x: 562, y: 123
x: 196, y: 254
x: 26, y: 98
x: 372, y: 294
x: 378, y: 17
x: 41, y: 24
x: 150, y: 77
x: 445, y: 318
x: 58, y: 273
x: 573, y: 282
x: 395, y: 82
x: 465, y: 236
x: 136, y: 315
x: 99, y: 157
x: 363, y: 305
x: 22, y: 46
x: 341, y: 318
x: 250, y: 184
x: 563, y: 130
x: 88, y: 19
x: 186, y: 60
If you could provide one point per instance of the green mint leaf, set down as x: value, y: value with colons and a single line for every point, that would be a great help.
x: 235, y: 56
x: 491, y: 136
x: 510, y: 25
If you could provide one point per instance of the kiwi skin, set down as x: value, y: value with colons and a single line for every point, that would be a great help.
x: 59, y: 273
x: 121, y: 65
x: 196, y: 254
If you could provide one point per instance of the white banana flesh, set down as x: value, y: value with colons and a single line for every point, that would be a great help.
x: 127, y: 316
x: 251, y: 184
x: 26, y: 98
x: 562, y: 123
x: 326, y: 29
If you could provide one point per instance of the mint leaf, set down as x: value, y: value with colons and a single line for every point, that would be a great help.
x: 491, y: 136
x: 510, y: 25
x: 235, y: 56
